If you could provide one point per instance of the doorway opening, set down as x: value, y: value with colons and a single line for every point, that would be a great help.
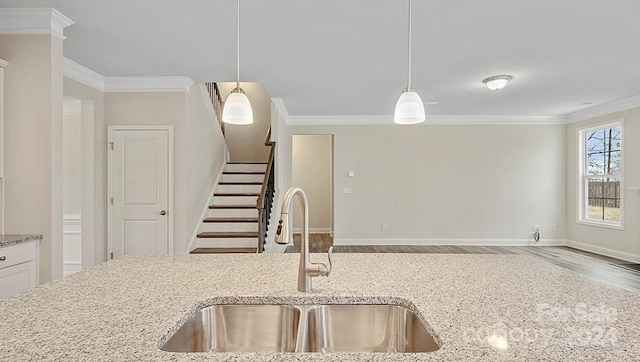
x: 312, y: 171
x: 140, y: 190
x: 72, y: 186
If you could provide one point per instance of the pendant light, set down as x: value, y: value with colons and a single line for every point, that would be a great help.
x: 237, y: 108
x: 409, y: 108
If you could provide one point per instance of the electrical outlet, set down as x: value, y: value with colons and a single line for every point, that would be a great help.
x: 346, y: 190
x: 536, y: 227
x: 351, y: 173
x: 554, y: 227
x: 384, y: 227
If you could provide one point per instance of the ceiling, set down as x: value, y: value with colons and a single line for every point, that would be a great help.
x: 348, y: 57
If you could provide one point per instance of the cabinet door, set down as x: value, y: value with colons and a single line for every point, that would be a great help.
x: 17, y: 279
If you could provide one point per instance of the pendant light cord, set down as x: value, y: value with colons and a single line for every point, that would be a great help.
x: 409, y: 75
x: 238, y: 43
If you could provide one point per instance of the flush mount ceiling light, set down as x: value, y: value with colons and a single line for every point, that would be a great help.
x: 497, y: 82
x: 409, y: 108
x: 237, y: 108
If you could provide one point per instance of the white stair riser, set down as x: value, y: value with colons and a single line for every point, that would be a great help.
x: 235, y: 200
x: 239, y: 188
x: 242, y: 178
x: 233, y: 213
x: 229, y: 226
x: 227, y: 242
x: 245, y: 167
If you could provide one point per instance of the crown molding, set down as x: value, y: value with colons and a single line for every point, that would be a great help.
x: 95, y: 80
x: 495, y: 120
x: 281, y: 108
x: 605, y: 109
x: 431, y: 120
x: 3, y: 63
x: 83, y: 74
x: 33, y: 21
x: 147, y: 84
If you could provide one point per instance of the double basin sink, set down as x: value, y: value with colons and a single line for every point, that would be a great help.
x: 302, y: 328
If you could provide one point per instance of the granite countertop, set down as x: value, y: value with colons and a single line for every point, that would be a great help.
x: 12, y: 239
x: 120, y: 310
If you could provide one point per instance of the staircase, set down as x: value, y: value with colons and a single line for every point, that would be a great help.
x: 239, y: 212
x: 232, y: 223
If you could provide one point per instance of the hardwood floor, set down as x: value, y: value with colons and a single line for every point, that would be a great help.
x: 602, y: 268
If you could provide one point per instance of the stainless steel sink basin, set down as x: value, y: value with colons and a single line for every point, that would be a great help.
x: 238, y: 328
x: 367, y: 328
x: 302, y: 328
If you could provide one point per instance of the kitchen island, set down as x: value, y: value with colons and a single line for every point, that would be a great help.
x: 479, y: 307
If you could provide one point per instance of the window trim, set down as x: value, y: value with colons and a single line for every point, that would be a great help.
x: 582, y: 166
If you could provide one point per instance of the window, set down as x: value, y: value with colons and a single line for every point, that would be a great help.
x: 601, y: 175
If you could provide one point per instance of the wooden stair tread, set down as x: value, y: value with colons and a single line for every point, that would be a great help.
x: 231, y: 219
x: 224, y: 251
x: 228, y: 234
x: 232, y: 206
x: 243, y: 173
x: 239, y: 183
x: 236, y: 194
x: 246, y: 163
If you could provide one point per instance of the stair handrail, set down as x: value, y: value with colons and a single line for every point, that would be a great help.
x: 216, y: 99
x: 265, y: 199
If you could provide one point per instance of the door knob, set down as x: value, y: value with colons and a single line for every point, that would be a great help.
x: 163, y: 212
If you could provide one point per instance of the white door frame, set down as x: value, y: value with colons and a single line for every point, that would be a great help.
x: 110, y: 131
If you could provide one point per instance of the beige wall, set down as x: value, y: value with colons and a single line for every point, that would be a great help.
x: 246, y: 143
x: 618, y: 243
x: 206, y: 150
x: 33, y: 143
x: 447, y: 184
x: 94, y: 175
x: 155, y: 108
x: 312, y: 171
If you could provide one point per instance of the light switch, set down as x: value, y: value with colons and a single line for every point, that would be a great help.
x: 351, y: 173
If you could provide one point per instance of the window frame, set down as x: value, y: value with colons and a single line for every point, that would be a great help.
x: 583, y: 176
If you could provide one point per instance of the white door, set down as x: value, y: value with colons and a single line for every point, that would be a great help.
x: 140, y: 168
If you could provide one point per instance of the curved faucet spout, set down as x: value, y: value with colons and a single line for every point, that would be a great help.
x: 306, y: 269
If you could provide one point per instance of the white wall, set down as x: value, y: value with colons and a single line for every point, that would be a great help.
x: 206, y: 152
x: 72, y: 186
x: 33, y: 143
x: 246, y: 143
x: 71, y: 158
x: 312, y: 171
x: 625, y: 243
x: 447, y: 184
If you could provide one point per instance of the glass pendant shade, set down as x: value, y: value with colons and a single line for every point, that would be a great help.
x: 409, y: 109
x: 237, y: 109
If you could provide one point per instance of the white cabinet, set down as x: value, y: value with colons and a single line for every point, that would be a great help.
x: 18, y: 268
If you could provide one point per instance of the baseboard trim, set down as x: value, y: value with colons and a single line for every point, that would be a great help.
x: 604, y: 251
x: 314, y: 231
x: 460, y: 242
x: 70, y: 267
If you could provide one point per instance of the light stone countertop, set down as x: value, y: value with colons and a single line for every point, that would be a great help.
x: 12, y: 239
x: 119, y: 310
